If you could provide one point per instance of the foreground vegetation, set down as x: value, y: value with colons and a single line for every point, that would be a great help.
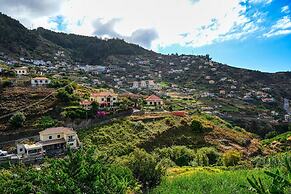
x: 207, y: 181
x: 151, y: 154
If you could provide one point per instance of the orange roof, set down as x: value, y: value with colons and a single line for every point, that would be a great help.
x: 57, y: 130
x: 85, y: 102
x: 103, y: 94
x: 153, y: 98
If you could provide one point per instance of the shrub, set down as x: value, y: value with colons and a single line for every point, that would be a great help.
x: 231, y: 157
x: 207, y: 156
x: 181, y: 155
x: 6, y: 83
x: 271, y: 134
x: 196, y: 126
x: 46, y: 122
x: 17, y: 120
x: 145, y: 168
x: 139, y: 125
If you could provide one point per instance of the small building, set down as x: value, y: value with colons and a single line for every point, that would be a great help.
x: 135, y: 85
x: 29, y: 150
x: 58, y: 139
x: 86, y: 104
x: 40, y: 81
x: 21, y: 70
x: 154, y: 100
x: 104, y: 98
x: 143, y: 84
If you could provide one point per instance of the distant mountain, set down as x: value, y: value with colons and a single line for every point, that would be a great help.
x: 15, y: 39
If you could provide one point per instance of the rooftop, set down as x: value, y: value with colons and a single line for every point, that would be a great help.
x: 153, y: 98
x: 103, y: 94
x: 57, y: 130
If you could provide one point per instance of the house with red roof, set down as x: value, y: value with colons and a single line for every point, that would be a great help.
x: 86, y: 104
x: 104, y: 98
x: 154, y: 100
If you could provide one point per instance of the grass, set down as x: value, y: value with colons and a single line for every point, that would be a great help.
x: 281, y: 138
x: 122, y: 136
x: 206, y: 181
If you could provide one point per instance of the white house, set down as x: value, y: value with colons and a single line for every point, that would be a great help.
x: 52, y: 140
x: 86, y: 104
x: 135, y: 85
x: 104, y: 98
x: 40, y: 81
x: 154, y: 100
x: 59, y: 138
x: 21, y: 70
x: 143, y: 84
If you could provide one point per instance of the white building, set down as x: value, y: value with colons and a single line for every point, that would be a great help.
x: 143, y: 84
x: 135, y: 85
x: 21, y: 70
x: 40, y: 81
x: 29, y: 150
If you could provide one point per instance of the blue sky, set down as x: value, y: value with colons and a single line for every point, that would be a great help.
x: 253, y: 34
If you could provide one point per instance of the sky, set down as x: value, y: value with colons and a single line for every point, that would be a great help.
x: 253, y: 34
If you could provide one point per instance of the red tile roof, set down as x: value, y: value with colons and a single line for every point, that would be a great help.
x: 153, y: 98
x: 85, y: 102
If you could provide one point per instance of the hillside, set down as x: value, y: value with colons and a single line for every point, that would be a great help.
x: 157, y: 131
x: 251, y: 99
x: 18, y: 41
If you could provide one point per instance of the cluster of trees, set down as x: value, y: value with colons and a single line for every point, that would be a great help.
x: 91, y: 50
x: 79, y: 172
x: 206, y: 156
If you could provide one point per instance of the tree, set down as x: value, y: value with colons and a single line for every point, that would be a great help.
x: 17, y: 120
x: 145, y: 168
x: 231, y: 157
x: 196, y: 126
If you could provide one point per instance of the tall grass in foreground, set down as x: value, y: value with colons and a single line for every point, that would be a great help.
x: 207, y: 181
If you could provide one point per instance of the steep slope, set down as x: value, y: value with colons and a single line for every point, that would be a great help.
x: 16, y: 40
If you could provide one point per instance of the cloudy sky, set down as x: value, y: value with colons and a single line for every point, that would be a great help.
x: 254, y: 34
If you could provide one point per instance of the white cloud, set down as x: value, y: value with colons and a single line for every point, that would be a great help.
x: 281, y: 27
x: 285, y: 9
x: 266, y: 2
x: 201, y: 22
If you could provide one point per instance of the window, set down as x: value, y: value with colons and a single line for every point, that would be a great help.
x: 114, y: 98
x: 50, y: 137
x: 102, y: 99
x: 59, y: 136
x: 20, y: 150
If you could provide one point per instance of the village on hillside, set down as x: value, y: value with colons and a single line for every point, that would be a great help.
x: 117, y: 87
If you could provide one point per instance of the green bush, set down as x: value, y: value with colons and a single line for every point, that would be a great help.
x: 196, y: 126
x: 74, y: 112
x: 17, y: 120
x: 271, y: 134
x: 207, y: 156
x: 76, y: 173
x: 231, y: 157
x: 180, y: 155
x: 46, y: 122
x: 145, y: 168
